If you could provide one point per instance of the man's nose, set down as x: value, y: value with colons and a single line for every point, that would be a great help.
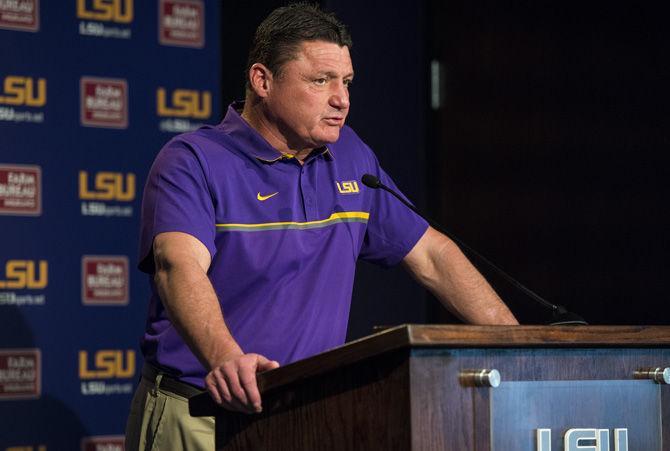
x: 340, y: 97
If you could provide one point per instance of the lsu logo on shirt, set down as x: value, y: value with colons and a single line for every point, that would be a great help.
x: 110, y: 186
x: 107, y: 364
x: 25, y: 274
x: 119, y: 11
x: 23, y: 91
x: 184, y: 103
x: 349, y: 187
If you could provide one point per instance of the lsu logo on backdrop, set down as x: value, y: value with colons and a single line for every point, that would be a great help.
x: 184, y: 103
x: 181, y: 23
x: 119, y: 11
x: 23, y: 91
x: 104, y: 280
x: 97, y: 14
x: 113, y: 186
x: 350, y: 187
x: 20, y: 190
x: 23, y: 275
x: 104, y: 102
x: 99, y: 191
x: 23, y: 15
x: 181, y: 105
x: 20, y: 373
x: 103, y: 443
x: 97, y: 368
x: 18, y: 92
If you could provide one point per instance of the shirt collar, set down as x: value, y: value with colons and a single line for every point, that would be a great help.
x: 253, y: 144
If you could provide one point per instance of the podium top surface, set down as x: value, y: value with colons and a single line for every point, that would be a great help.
x: 462, y: 336
x: 526, y: 336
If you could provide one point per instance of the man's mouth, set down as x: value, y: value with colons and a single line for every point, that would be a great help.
x: 334, y: 120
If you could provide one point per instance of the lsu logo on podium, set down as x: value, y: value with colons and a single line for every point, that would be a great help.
x: 107, y: 364
x: 25, y: 274
x: 184, y: 103
x: 110, y: 186
x: 119, y: 11
x: 23, y: 91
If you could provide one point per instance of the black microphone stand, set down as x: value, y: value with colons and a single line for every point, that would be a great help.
x: 561, y: 316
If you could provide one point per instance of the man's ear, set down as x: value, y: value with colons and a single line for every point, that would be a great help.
x: 260, y: 79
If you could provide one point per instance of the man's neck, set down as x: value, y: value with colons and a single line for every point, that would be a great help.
x: 253, y: 114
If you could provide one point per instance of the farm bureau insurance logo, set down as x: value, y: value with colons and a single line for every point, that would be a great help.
x: 22, y: 15
x: 18, y: 92
x: 27, y: 448
x: 103, y: 443
x: 20, y: 373
x: 180, y: 106
x: 181, y: 23
x: 101, y: 193
x: 20, y: 190
x: 97, y: 370
x: 104, y: 102
x: 97, y: 14
x: 24, y: 275
x: 104, y: 280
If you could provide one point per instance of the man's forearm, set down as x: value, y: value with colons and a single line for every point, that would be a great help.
x: 194, y: 309
x: 442, y: 268
x: 464, y: 291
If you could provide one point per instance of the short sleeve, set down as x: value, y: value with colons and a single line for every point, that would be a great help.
x: 393, y: 229
x: 176, y: 199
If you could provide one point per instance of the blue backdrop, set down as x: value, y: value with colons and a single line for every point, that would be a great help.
x: 89, y: 92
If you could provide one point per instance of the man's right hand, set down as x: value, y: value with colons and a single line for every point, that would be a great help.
x: 233, y: 383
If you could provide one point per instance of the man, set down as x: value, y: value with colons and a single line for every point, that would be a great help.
x: 252, y: 238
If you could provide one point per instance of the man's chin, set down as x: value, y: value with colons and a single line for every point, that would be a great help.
x: 330, y: 137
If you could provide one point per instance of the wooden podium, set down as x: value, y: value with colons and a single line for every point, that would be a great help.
x: 417, y: 387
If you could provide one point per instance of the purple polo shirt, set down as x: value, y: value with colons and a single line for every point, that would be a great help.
x: 284, y: 238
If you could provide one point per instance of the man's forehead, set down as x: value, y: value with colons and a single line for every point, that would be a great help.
x: 328, y: 56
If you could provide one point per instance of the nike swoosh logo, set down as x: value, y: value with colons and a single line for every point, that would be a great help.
x: 262, y: 198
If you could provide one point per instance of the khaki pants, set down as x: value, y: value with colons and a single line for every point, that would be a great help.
x: 159, y: 420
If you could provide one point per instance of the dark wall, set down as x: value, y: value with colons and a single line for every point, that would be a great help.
x: 387, y: 112
x: 552, y: 148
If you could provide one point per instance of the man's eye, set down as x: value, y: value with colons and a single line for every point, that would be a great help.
x: 320, y: 81
x: 348, y: 83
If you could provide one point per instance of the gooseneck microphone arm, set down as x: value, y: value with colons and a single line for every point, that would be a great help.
x: 560, y: 314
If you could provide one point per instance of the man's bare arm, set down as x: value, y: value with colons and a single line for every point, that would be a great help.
x: 182, y: 262
x: 440, y: 266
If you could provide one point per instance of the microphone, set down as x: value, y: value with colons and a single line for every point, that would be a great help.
x: 560, y: 314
